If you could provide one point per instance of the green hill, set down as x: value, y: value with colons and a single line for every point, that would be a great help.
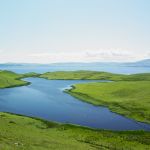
x: 94, y: 75
x: 11, y: 79
x: 129, y: 98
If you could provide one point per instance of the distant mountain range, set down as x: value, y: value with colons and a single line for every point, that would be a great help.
x: 142, y: 63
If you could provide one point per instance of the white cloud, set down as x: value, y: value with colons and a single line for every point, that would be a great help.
x: 101, y: 55
x: 104, y: 55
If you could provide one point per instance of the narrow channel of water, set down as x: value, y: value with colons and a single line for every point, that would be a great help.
x: 46, y: 99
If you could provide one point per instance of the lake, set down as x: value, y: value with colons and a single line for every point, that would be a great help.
x: 46, y: 99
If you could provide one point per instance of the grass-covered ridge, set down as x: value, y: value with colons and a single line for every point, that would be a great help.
x: 129, y: 98
x: 11, y: 79
x: 23, y: 133
x: 94, y: 75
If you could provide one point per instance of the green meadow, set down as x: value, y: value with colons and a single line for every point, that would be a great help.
x: 24, y: 133
x: 129, y: 98
x: 94, y: 75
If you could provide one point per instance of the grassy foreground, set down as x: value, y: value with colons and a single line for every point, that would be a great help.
x: 24, y: 133
x: 11, y: 79
x: 94, y: 75
x: 129, y: 98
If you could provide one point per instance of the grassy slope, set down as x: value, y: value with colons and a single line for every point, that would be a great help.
x: 18, y: 132
x: 130, y: 98
x: 11, y: 79
x: 94, y: 75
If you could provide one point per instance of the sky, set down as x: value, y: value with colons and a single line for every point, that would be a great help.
x: 48, y: 31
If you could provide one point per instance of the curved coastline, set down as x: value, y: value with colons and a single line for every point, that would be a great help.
x: 81, y: 96
x: 85, y: 97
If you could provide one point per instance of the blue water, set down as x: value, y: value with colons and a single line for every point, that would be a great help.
x: 46, y: 99
x: 106, y: 68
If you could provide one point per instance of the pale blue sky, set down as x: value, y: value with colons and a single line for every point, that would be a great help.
x: 74, y: 30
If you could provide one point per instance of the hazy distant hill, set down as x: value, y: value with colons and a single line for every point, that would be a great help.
x: 142, y: 63
x: 145, y: 62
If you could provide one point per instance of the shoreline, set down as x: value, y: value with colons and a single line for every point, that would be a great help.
x: 50, y: 123
x: 81, y: 98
